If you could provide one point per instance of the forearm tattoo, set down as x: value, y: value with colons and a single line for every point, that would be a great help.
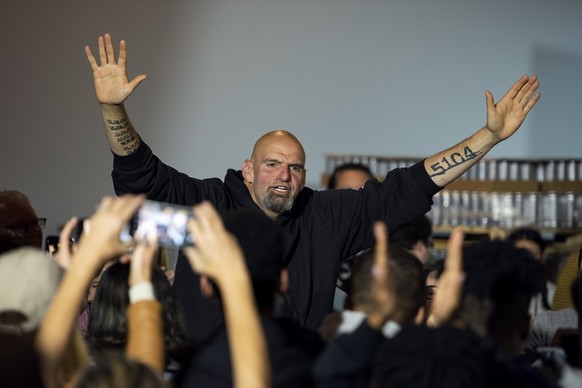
x: 124, y: 135
x: 453, y: 160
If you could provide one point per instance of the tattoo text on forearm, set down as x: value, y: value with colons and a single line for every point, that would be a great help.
x: 123, y: 134
x: 453, y: 160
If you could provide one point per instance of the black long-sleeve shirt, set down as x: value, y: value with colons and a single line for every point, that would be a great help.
x: 321, y: 229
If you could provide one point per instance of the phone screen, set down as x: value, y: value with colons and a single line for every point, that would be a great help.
x: 163, y: 221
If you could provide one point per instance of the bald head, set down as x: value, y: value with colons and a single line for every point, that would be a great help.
x: 274, y: 137
x: 275, y: 173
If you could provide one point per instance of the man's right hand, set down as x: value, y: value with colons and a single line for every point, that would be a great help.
x: 110, y: 77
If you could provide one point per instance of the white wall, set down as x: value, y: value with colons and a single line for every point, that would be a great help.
x: 379, y: 77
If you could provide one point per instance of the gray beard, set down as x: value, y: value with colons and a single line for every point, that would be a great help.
x: 277, y: 204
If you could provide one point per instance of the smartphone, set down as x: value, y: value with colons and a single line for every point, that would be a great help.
x: 51, y: 244
x: 165, y: 222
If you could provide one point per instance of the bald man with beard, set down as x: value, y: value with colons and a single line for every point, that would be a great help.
x: 321, y: 227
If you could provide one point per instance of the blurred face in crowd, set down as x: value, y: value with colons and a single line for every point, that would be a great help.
x: 431, y: 285
x: 18, y: 218
x: 531, y: 246
x: 275, y: 174
x: 351, y: 179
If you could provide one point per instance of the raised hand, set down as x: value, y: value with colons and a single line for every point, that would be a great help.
x: 505, y: 117
x: 110, y: 77
x: 105, y: 226
x: 382, y: 289
x: 142, y: 262
x: 64, y: 256
x: 450, y: 286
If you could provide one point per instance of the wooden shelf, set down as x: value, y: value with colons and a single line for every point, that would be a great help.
x: 495, y: 186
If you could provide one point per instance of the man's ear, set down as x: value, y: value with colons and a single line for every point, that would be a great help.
x: 206, y: 288
x: 284, y: 280
x: 248, y: 171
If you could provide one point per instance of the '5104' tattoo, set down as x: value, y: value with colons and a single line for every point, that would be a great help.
x: 455, y: 159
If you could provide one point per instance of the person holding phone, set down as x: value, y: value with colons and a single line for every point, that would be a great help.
x: 322, y: 228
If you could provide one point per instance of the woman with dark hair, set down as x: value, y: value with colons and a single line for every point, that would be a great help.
x: 532, y: 241
x: 107, y: 329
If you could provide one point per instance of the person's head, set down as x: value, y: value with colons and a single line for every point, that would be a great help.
x: 107, y: 328
x: 275, y: 173
x: 433, y: 273
x: 19, y: 361
x: 415, y: 237
x: 529, y: 239
x: 500, y: 282
x: 19, y: 224
x: 29, y: 279
x: 407, y: 275
x: 261, y: 242
x: 115, y: 370
x: 349, y: 176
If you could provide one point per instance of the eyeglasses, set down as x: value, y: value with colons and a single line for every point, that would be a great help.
x: 38, y: 223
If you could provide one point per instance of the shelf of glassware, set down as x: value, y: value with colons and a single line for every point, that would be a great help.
x: 498, y: 194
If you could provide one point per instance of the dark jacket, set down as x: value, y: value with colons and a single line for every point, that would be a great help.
x: 292, y: 352
x: 322, y: 228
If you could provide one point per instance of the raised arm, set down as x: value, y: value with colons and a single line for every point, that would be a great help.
x: 217, y: 255
x: 450, y: 288
x: 145, y: 334
x: 98, y: 246
x: 503, y: 120
x: 112, y: 88
x: 382, y: 288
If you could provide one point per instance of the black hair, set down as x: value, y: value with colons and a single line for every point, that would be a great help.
x: 107, y: 328
x: 500, y: 282
x: 407, y: 274
x: 332, y: 183
x: 527, y: 234
x: 409, y: 234
x: 115, y: 370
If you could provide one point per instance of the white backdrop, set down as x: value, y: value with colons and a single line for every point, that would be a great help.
x: 367, y: 76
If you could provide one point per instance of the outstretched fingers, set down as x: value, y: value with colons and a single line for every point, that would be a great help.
x: 448, y: 293
x: 122, y: 54
x: 526, y: 91
x: 516, y: 87
x: 381, y: 256
x: 454, y: 260
x: 109, y: 49
x: 102, y: 53
x: 530, y: 99
x: 106, y: 52
x: 91, y: 58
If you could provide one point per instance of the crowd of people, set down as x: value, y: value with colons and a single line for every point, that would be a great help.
x: 250, y: 303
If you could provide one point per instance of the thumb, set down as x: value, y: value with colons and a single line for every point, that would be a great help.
x: 134, y: 83
x: 489, y: 100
